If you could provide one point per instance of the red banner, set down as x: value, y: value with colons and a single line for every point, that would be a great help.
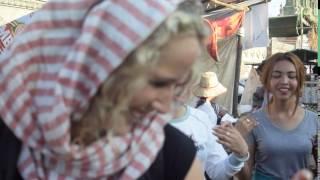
x: 222, y: 28
x: 8, y: 31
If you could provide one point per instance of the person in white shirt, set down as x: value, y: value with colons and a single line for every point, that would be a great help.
x: 216, y: 162
x: 207, y: 90
x: 197, y: 125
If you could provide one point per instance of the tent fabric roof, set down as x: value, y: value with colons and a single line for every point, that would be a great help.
x: 306, y: 55
x: 285, y: 26
x: 210, y: 6
x: 14, y: 9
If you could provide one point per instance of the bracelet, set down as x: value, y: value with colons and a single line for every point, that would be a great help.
x: 243, y: 159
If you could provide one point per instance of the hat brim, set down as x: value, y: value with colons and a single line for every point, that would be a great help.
x: 209, y: 92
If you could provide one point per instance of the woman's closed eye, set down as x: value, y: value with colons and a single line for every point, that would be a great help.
x: 291, y: 75
x: 159, y: 83
x: 162, y: 83
x: 276, y: 75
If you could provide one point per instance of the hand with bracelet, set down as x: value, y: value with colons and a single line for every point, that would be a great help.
x: 231, y: 138
x: 245, y: 124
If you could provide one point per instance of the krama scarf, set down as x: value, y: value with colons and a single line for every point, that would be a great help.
x: 52, y: 70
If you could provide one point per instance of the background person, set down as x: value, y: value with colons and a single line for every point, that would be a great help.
x: 282, y: 143
x: 207, y: 91
x: 259, y: 97
x: 217, y: 164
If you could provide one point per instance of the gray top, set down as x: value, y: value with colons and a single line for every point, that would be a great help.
x: 280, y: 153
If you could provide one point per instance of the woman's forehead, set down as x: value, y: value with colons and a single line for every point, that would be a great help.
x: 284, y: 66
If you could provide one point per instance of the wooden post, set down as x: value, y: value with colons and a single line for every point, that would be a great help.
x: 240, y: 34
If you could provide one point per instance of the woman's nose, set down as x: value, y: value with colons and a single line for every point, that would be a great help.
x: 284, y: 79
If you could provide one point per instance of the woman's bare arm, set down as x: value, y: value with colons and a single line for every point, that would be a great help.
x: 246, y: 171
x: 195, y: 171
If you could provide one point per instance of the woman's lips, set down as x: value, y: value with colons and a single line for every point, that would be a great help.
x: 284, y: 90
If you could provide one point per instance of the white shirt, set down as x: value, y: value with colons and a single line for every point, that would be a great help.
x: 208, y: 109
x: 196, y: 124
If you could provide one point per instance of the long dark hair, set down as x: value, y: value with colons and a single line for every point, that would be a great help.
x: 201, y: 101
x: 297, y: 63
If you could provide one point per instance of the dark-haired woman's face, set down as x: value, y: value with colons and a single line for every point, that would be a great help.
x: 283, y: 81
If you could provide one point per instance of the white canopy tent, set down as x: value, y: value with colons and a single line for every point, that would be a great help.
x: 14, y: 9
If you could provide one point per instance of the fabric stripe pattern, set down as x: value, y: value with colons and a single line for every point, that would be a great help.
x: 52, y: 70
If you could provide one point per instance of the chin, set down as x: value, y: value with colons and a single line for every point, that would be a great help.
x: 286, y: 97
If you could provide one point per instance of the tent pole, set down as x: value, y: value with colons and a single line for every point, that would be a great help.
x: 237, y: 73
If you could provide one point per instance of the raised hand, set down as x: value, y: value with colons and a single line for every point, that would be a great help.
x: 231, y: 138
x: 245, y: 124
x: 303, y: 174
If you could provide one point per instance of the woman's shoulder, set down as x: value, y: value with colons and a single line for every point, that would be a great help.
x: 312, y: 116
x: 259, y: 113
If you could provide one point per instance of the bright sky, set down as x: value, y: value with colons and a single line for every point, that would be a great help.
x: 274, y: 7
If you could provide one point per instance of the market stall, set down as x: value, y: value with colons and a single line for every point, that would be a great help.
x: 311, y: 94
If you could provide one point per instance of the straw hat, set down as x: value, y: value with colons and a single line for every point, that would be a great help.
x: 209, y: 86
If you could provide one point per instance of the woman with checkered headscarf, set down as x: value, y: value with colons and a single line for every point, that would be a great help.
x: 88, y: 85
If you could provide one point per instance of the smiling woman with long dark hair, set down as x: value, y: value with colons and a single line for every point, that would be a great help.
x: 282, y: 143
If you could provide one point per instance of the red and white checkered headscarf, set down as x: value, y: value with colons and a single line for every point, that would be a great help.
x: 52, y: 70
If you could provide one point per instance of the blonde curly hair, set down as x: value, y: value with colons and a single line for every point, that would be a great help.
x: 108, y: 111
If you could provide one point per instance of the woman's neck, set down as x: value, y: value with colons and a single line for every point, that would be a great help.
x: 181, y: 111
x: 280, y: 106
x: 284, y: 114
